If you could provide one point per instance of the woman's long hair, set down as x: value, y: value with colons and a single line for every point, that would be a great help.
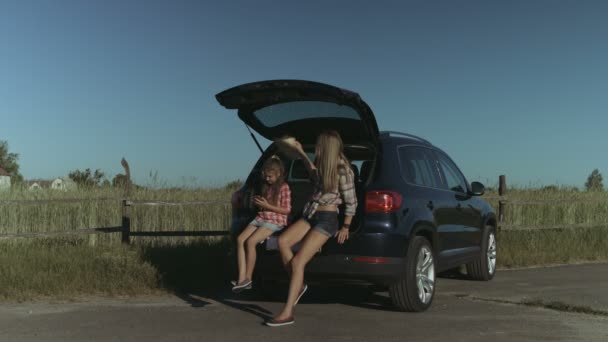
x: 273, y: 164
x: 329, y: 155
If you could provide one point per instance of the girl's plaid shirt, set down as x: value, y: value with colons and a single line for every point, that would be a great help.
x: 284, y: 201
x: 346, y: 192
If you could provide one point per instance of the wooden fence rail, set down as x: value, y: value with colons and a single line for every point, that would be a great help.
x: 503, y: 201
x: 127, y: 204
x: 59, y: 200
x: 125, y: 227
x: 63, y: 233
x: 126, y: 220
x: 506, y: 227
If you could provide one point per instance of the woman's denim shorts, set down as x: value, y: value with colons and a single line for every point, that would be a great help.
x: 325, y: 222
x: 268, y: 225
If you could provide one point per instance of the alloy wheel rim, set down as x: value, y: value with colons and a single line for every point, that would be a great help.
x: 425, y: 275
x: 491, y: 254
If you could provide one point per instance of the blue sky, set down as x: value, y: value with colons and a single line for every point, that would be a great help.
x: 505, y: 87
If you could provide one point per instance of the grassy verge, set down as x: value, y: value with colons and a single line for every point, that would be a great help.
x: 551, y: 246
x: 70, y: 268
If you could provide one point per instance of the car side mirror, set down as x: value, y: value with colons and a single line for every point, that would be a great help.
x: 477, y: 189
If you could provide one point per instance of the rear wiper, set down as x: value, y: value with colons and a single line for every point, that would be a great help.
x: 254, y: 139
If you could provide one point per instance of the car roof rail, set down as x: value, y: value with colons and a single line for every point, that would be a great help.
x: 403, y: 135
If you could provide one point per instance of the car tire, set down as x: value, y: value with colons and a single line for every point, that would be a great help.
x: 415, y: 290
x: 484, y: 268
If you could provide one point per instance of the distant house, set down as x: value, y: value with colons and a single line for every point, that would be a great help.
x: 38, y: 184
x: 60, y: 183
x: 5, y: 179
x: 63, y: 183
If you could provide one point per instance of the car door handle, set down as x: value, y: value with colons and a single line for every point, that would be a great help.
x: 430, y: 205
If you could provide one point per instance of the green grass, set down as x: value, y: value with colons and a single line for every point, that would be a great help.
x: 70, y: 268
x: 553, y: 207
x: 31, y: 217
x: 551, y: 246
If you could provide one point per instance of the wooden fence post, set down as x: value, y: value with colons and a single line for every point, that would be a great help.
x: 126, y: 204
x: 502, y: 190
x: 126, y: 221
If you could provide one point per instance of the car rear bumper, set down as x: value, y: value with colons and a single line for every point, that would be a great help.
x: 377, y: 257
x: 339, y: 267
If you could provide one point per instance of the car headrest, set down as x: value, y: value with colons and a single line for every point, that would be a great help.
x: 366, y: 168
x: 298, y: 170
x: 355, y: 171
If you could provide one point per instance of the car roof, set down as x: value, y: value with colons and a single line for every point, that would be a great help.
x: 404, y: 138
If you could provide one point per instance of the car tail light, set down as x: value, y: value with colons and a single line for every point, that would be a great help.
x: 238, y: 200
x: 382, y: 201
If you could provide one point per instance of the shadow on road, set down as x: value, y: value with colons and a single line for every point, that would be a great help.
x: 200, y: 273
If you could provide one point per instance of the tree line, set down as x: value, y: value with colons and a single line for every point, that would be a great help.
x: 9, y: 161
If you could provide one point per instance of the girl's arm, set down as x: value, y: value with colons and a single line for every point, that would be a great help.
x: 269, y: 207
x: 284, y: 200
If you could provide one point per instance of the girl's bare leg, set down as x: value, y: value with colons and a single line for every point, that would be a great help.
x: 240, y: 251
x: 260, y: 235
x: 292, y: 235
x: 313, y: 241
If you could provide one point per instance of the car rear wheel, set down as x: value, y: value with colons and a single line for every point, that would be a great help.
x: 484, y: 267
x: 415, y: 289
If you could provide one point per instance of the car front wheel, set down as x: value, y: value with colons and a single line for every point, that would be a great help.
x: 415, y: 289
x: 484, y: 267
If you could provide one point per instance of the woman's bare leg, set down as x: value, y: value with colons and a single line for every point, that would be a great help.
x: 292, y: 235
x: 250, y: 245
x: 312, y: 242
x: 240, y: 251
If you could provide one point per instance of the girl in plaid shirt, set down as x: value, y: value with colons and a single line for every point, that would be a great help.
x: 333, y: 182
x: 275, y: 205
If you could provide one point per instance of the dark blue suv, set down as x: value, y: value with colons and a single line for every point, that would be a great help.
x: 417, y: 214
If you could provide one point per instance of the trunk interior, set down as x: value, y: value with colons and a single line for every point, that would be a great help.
x: 301, y: 188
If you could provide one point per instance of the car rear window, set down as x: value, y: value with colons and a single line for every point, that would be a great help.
x: 280, y: 113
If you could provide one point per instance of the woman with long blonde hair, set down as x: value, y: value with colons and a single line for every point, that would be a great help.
x: 333, y: 181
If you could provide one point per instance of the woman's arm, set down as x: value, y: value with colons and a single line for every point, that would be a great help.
x: 346, y: 186
x: 310, y: 166
x: 293, y: 144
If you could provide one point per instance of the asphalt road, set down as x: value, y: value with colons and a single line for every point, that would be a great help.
x: 566, y: 303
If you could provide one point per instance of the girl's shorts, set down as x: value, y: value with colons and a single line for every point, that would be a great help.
x: 268, y: 225
x: 325, y: 222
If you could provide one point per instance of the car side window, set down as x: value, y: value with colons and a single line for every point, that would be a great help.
x: 453, y: 179
x: 417, y: 166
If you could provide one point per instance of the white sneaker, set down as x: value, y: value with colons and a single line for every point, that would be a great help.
x: 304, y: 288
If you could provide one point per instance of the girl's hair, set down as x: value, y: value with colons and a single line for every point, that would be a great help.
x: 273, y: 164
x: 329, y: 151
